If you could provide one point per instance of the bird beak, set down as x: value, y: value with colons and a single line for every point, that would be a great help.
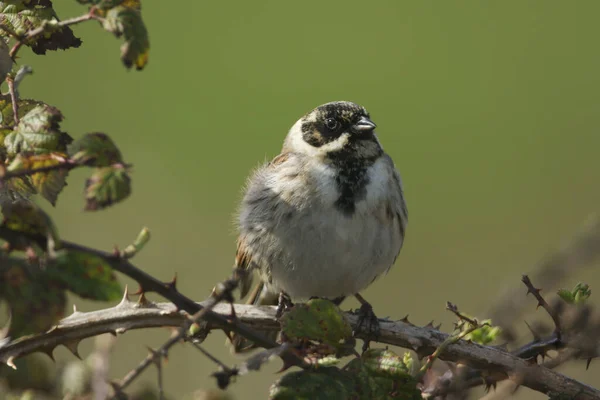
x: 363, y: 125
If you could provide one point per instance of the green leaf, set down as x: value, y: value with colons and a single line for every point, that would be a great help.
x: 354, y: 382
x: 107, y: 186
x: 579, y: 295
x: 327, y: 383
x: 7, y: 119
x: 36, y: 304
x: 318, y: 320
x: 485, y: 334
x: 95, y: 149
x: 21, y: 16
x: 86, y: 275
x: 28, y: 218
x: 386, y: 363
x: 49, y: 183
x: 38, y: 132
x: 381, y: 374
x: 127, y: 22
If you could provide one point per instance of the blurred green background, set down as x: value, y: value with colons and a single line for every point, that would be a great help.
x: 489, y: 109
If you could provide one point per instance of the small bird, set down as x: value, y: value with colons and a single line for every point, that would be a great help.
x: 324, y: 218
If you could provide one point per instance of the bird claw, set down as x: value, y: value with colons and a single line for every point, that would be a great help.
x: 283, y: 305
x: 367, y: 325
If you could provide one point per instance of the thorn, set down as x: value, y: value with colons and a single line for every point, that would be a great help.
x: 437, y: 328
x: 173, y: 284
x: 72, y: 345
x: 11, y: 362
x: 536, y: 337
x: 143, y: 301
x: 125, y: 299
x: 587, y: 364
x: 139, y: 291
x: 47, y: 351
x: 429, y: 325
x: 74, y: 308
x: 405, y: 320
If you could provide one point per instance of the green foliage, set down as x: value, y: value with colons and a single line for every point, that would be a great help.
x: 386, y: 363
x: 96, y: 150
x: 28, y: 218
x: 38, y: 132
x: 35, y: 302
x: 107, y: 186
x: 378, y: 374
x: 126, y: 21
x: 485, y: 334
x: 579, y: 295
x: 20, y: 16
x: 47, y: 183
x: 84, y: 274
x: 318, y: 320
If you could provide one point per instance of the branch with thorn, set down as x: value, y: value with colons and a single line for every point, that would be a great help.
x: 129, y: 315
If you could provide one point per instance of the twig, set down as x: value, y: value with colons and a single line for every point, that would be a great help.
x: 150, y: 284
x: 13, y: 98
x: 66, y: 165
x: 542, y: 302
x: 581, y: 250
x: 208, y: 355
x: 155, y: 356
x: 424, y: 341
x: 48, y: 26
x: 23, y: 71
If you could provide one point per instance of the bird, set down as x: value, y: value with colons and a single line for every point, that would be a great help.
x: 324, y: 218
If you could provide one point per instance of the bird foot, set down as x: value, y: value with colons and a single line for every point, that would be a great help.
x: 367, y: 325
x: 284, y: 304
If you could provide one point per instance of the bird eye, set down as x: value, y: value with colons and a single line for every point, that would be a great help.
x: 331, y: 124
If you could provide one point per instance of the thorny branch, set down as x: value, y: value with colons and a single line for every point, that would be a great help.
x: 150, y: 284
x: 129, y: 315
x: 541, y: 302
x: 155, y: 356
x: 495, y: 362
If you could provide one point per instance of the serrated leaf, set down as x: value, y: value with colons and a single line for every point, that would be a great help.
x: 127, y: 22
x: 27, y: 217
x: 383, y: 375
x: 7, y: 119
x: 385, y: 362
x: 21, y: 16
x: 107, y: 186
x: 353, y: 382
x: 49, y: 183
x: 38, y: 132
x: 319, y: 320
x: 327, y: 383
x: 95, y: 149
x: 84, y: 274
x: 36, y: 304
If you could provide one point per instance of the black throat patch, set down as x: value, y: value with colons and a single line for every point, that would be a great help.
x: 352, y: 177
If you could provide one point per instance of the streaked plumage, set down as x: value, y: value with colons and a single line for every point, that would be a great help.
x: 327, y: 216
